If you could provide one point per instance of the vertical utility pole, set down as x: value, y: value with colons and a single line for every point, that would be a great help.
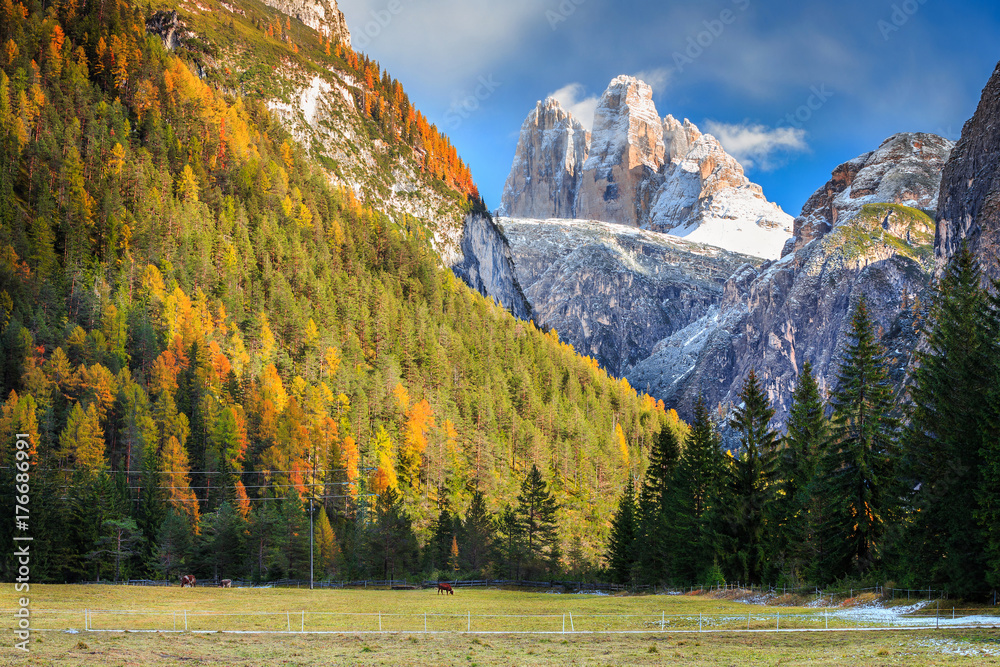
x: 312, y: 543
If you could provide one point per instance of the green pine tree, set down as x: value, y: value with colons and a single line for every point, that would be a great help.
x: 623, y: 542
x: 697, y: 480
x: 656, y: 506
x: 477, y: 535
x: 943, y: 446
x: 857, y: 470
x: 752, y: 482
x: 536, y: 511
x: 806, y: 435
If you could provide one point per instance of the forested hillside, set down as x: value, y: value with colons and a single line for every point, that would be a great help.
x: 865, y: 487
x: 199, y: 333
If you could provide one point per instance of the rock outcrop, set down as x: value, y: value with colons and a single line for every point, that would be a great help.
x: 625, y: 155
x: 867, y: 232
x: 970, y: 187
x: 614, y: 291
x: 323, y: 16
x: 639, y: 170
x: 483, y: 261
x: 906, y: 169
x: 168, y: 27
x: 545, y: 176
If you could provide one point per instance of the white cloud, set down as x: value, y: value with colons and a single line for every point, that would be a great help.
x: 572, y: 99
x: 755, y: 145
x: 656, y: 78
x: 444, y: 42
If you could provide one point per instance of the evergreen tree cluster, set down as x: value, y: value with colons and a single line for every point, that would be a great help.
x: 859, y: 488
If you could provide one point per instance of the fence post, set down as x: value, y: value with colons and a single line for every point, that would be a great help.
x: 380, y: 621
x: 699, y: 621
x: 468, y: 627
x: 778, y: 626
x: 302, y: 628
x: 564, y: 624
x: 86, y: 619
x: 185, y: 620
x: 663, y: 620
x: 571, y: 627
x: 288, y: 617
x: 937, y: 615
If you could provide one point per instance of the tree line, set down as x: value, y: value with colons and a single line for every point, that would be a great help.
x: 860, y: 488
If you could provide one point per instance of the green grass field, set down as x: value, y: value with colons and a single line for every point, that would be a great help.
x: 350, y: 620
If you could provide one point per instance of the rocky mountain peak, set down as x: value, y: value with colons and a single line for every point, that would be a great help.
x: 904, y: 170
x: 626, y: 151
x: 548, y: 163
x: 970, y: 187
x: 323, y: 16
x: 639, y: 170
x: 678, y: 137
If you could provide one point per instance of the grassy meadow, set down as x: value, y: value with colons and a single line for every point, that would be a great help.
x: 350, y: 619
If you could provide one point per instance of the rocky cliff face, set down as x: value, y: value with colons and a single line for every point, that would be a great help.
x: 640, y: 170
x: 482, y: 258
x: 865, y: 232
x: 545, y: 176
x: 626, y: 152
x: 323, y: 16
x: 970, y: 187
x: 614, y: 291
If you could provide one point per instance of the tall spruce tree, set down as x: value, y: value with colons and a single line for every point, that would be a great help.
x: 857, y: 470
x: 944, y: 444
x: 988, y: 512
x: 624, y: 539
x: 536, y: 512
x: 478, y: 534
x: 696, y: 487
x: 752, y: 477
x: 655, y: 507
x: 803, y: 442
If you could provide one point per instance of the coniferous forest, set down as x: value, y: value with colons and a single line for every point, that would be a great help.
x: 858, y: 489
x: 201, y: 335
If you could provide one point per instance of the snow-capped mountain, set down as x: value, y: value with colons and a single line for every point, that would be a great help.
x: 637, y: 169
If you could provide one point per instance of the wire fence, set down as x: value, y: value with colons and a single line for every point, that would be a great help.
x: 324, y: 622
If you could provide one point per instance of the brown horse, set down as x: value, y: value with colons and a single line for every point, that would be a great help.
x: 226, y: 583
x: 445, y: 588
x: 188, y: 580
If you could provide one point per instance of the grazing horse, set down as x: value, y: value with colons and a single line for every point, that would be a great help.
x: 188, y: 580
x: 445, y: 588
x: 226, y: 583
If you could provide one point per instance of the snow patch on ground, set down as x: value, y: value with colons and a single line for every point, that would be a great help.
x: 955, y: 647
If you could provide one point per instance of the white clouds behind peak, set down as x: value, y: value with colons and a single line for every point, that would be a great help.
x: 756, y: 146
x: 573, y: 99
x: 657, y: 78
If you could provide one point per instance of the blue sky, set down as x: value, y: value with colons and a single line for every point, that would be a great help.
x: 792, y: 88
